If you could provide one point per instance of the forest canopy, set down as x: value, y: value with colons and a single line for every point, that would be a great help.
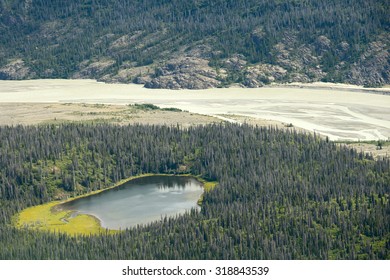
x: 112, y: 40
x: 281, y: 194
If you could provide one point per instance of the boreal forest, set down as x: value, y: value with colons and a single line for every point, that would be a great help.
x: 280, y: 194
x: 197, y: 43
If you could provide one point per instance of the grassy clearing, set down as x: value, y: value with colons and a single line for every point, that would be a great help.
x: 49, y: 216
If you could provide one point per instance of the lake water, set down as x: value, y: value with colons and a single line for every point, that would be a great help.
x: 140, y: 201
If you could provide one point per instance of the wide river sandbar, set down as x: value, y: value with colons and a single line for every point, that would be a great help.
x: 339, y: 113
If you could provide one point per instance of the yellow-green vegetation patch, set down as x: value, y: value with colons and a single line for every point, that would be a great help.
x: 46, y: 217
x: 207, y: 186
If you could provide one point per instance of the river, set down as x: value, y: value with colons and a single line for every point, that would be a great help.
x: 341, y: 113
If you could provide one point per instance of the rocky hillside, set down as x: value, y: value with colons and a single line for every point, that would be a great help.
x: 196, y: 43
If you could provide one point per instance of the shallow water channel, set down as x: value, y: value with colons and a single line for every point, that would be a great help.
x: 140, y: 201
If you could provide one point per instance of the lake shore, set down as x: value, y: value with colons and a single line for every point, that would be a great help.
x: 52, y: 217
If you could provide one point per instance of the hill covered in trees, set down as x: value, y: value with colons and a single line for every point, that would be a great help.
x: 196, y: 43
x: 281, y: 195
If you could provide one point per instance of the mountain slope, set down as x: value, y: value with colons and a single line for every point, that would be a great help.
x: 196, y: 43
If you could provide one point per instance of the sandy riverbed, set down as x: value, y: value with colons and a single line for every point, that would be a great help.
x: 38, y: 113
x: 334, y: 112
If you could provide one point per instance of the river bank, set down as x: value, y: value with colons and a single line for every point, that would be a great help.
x: 339, y: 114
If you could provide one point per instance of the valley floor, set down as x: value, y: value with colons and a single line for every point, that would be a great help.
x: 341, y: 112
x: 42, y: 113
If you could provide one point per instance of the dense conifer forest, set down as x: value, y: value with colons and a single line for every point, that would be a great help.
x: 281, y: 194
x: 334, y: 40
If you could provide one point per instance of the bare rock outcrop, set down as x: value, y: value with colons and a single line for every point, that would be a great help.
x: 187, y: 72
x: 16, y: 70
x: 323, y: 44
x: 94, y: 69
x: 261, y: 74
x: 372, y: 69
x: 235, y: 63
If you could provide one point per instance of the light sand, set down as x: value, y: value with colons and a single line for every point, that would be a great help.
x: 335, y: 86
x: 38, y: 113
x: 369, y: 148
x: 337, y: 113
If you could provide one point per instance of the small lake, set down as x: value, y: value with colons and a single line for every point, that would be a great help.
x: 140, y: 201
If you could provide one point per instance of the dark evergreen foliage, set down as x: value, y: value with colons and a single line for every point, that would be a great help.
x: 281, y: 195
x: 54, y: 36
